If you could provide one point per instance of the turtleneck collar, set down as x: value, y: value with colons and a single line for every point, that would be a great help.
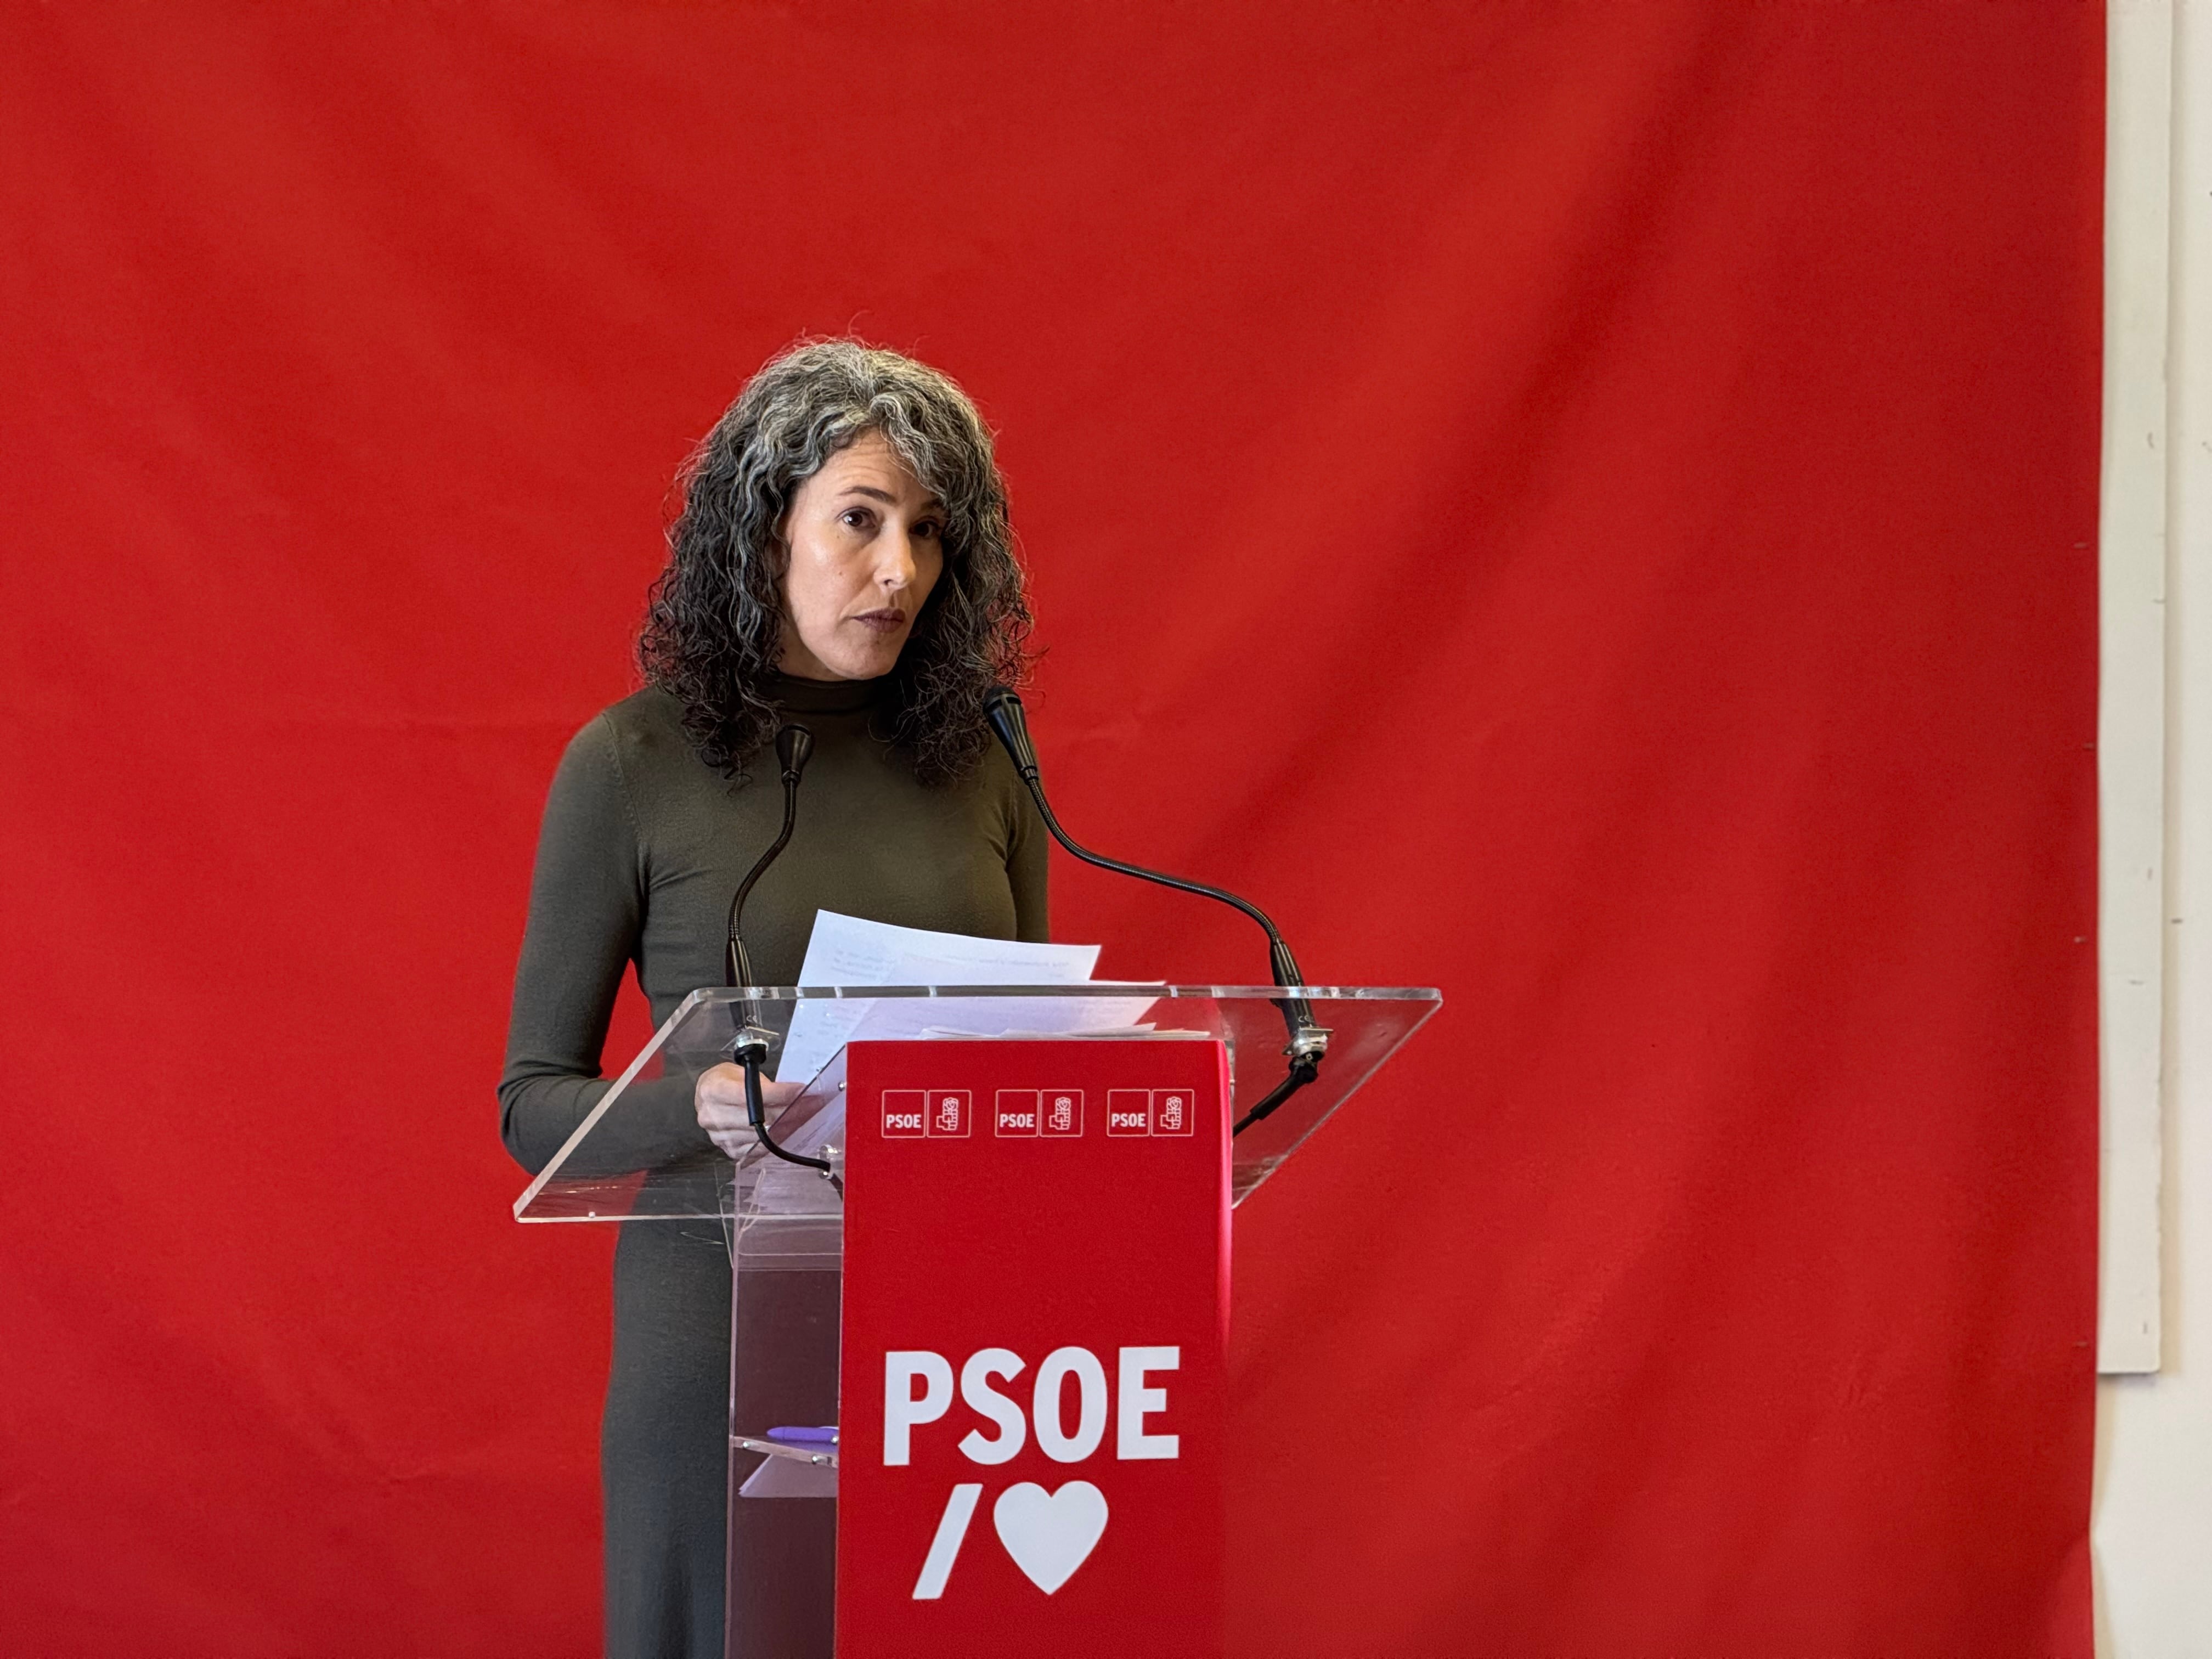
x: 800, y: 697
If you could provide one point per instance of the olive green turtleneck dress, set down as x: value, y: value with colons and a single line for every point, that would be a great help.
x: 641, y: 847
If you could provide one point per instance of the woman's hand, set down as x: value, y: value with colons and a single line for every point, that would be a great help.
x: 719, y: 1098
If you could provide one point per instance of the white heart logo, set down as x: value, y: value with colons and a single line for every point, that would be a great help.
x: 1050, y: 1534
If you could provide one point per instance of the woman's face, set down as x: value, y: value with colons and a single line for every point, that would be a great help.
x: 866, y: 544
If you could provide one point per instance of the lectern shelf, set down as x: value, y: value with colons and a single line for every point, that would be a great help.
x: 614, y: 1168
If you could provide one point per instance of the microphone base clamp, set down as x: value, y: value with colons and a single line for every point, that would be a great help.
x: 752, y: 1043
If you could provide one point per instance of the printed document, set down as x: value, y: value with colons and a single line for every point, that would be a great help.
x: 847, y: 950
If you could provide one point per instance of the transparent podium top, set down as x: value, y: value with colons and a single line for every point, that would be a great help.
x: 635, y: 1155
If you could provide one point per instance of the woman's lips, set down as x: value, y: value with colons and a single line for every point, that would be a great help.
x: 882, y: 622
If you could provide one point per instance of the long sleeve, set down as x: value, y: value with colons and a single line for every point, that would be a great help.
x: 1027, y: 866
x: 587, y: 919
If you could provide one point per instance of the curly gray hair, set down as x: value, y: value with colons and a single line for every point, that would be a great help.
x: 713, y: 626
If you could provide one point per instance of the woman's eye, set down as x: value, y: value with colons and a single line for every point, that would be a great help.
x: 930, y: 528
x: 856, y: 517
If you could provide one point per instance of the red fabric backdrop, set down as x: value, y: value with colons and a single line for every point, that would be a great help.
x: 1587, y: 505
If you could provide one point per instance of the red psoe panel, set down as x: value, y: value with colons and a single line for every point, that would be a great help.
x: 1033, y: 1388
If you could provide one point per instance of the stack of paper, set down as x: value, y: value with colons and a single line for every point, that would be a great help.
x: 845, y: 950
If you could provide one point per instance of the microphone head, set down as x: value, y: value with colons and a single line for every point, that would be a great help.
x: 1004, y: 710
x: 793, y: 745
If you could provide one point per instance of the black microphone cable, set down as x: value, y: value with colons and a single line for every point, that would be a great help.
x: 793, y: 745
x: 1308, y: 1040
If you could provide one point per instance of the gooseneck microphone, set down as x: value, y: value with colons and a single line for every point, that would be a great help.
x: 1309, y: 1041
x: 793, y: 745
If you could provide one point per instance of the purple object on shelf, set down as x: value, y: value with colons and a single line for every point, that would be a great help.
x: 826, y: 1437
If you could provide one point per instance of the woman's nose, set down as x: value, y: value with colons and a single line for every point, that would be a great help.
x: 895, y: 564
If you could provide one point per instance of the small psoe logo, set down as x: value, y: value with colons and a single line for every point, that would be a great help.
x: 911, y: 1113
x: 1128, y: 1111
x: 1017, y: 1112
x: 1171, y: 1111
x: 906, y: 1114
x: 1149, y: 1112
x: 949, y: 1112
x: 1062, y: 1111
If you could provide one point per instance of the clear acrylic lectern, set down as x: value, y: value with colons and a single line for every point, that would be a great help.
x: 634, y: 1158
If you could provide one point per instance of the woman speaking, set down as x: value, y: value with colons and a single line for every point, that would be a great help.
x: 841, y: 559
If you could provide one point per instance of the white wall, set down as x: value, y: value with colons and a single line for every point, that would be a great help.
x: 2153, y: 1518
